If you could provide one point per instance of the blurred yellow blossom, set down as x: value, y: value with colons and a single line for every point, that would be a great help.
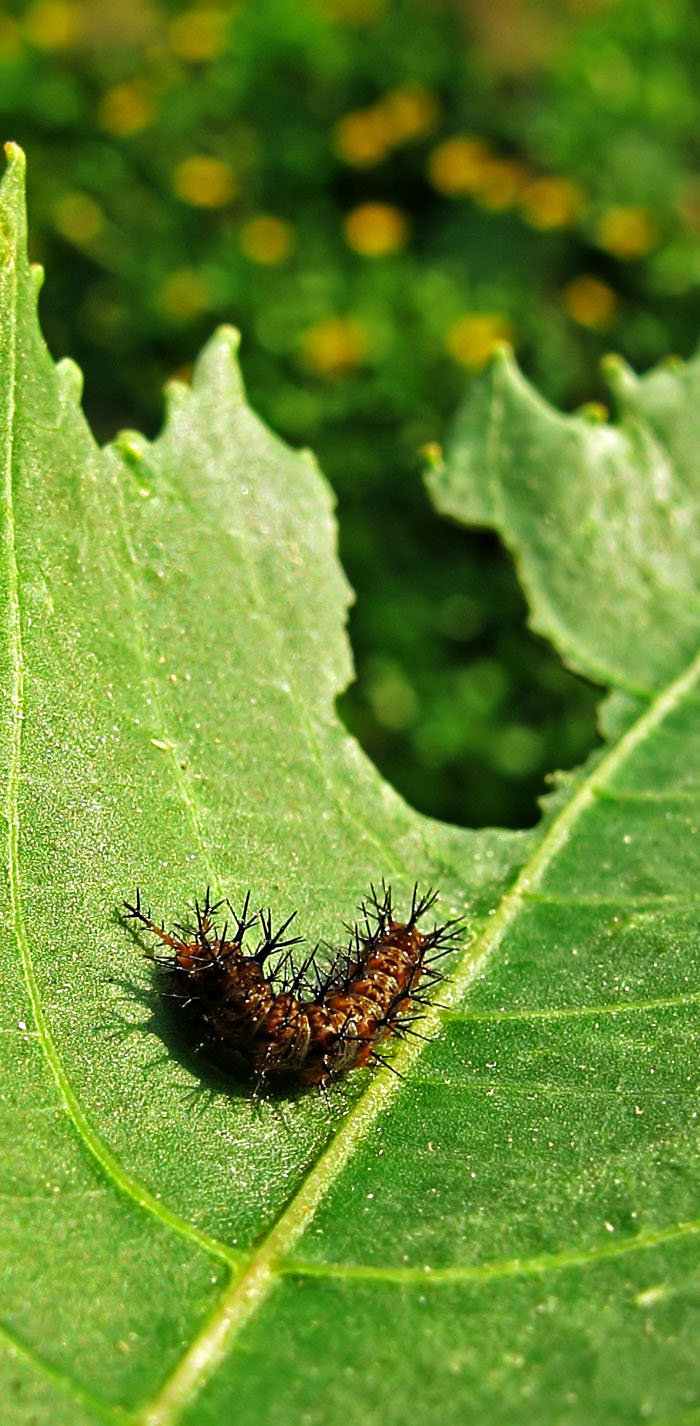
x: 473, y: 338
x: 267, y: 239
x: 552, y: 202
x: 627, y: 232
x: 184, y: 294
x: 362, y: 138
x: 53, y: 24
x: 204, y: 182
x: 10, y: 43
x: 365, y: 136
x: 688, y: 202
x: 431, y: 453
x: 409, y: 112
x: 375, y: 229
x: 198, y: 35
x: 334, y: 346
x: 590, y: 301
x: 499, y: 183
x: 125, y: 110
x: 456, y: 166
x: 78, y: 217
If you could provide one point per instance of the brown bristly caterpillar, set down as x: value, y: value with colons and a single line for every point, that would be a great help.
x: 275, y: 1019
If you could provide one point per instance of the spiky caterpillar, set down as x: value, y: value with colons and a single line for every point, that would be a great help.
x: 277, y: 1021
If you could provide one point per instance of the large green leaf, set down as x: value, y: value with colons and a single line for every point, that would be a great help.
x: 507, y: 1233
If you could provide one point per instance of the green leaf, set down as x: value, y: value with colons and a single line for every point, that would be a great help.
x: 601, y: 519
x: 509, y: 1232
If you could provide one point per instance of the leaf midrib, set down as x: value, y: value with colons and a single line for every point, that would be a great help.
x: 246, y: 1295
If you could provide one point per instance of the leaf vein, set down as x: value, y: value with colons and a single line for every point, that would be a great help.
x: 555, y: 1012
x: 14, y: 1343
x: 103, y: 1156
x: 237, y: 1305
x: 506, y: 1267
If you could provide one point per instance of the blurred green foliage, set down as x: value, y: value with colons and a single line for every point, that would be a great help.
x: 375, y: 192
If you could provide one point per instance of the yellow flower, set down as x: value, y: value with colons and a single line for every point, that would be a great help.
x: 375, y: 229
x: 198, y: 35
x: 124, y: 110
x: 10, y: 43
x: 267, y: 239
x: 77, y: 217
x: 362, y: 138
x: 204, y: 182
x: 627, y: 232
x: 365, y: 136
x: 52, y: 24
x: 456, y: 166
x: 499, y: 183
x: 473, y: 338
x: 552, y: 203
x: 334, y: 346
x: 184, y: 294
x: 408, y: 113
x: 589, y: 301
x: 688, y: 202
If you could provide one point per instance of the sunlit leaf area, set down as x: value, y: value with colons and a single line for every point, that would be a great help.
x: 343, y: 565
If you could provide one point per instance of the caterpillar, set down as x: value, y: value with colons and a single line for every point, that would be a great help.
x: 290, y: 1021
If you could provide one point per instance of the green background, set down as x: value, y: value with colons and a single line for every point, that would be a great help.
x: 461, y: 710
